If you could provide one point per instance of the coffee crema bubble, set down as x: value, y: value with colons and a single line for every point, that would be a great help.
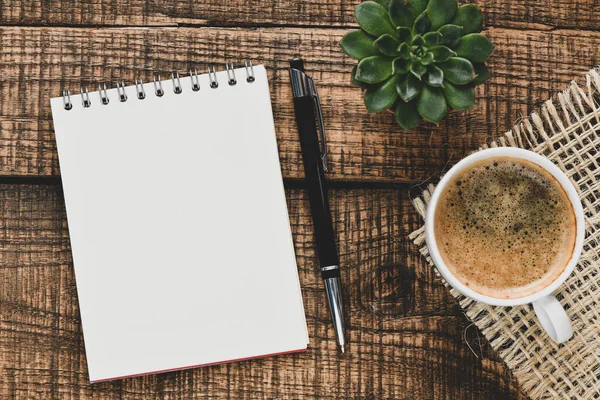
x: 505, y: 227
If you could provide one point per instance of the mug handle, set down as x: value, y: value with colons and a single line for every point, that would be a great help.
x: 553, y: 318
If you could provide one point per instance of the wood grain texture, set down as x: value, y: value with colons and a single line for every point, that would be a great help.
x: 527, y: 66
x: 516, y: 13
x: 405, y: 331
x: 407, y: 335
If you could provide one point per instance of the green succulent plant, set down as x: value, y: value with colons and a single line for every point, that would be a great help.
x: 418, y: 57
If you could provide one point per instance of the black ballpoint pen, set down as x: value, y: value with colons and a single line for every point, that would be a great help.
x: 306, y: 104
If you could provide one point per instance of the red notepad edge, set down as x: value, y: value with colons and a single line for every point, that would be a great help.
x: 198, y: 365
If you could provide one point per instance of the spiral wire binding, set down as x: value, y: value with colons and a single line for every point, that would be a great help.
x: 85, y: 97
x: 176, y: 82
x: 230, y: 74
x: 195, y: 80
x: 121, y: 92
x: 212, y: 76
x: 158, y: 88
x: 67, y: 100
x: 249, y: 71
x: 141, y: 93
x: 103, y: 95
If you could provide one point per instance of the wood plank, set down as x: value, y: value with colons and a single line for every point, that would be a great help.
x: 576, y: 14
x: 405, y: 330
x: 527, y: 67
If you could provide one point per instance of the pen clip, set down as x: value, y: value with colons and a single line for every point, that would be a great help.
x: 315, y: 95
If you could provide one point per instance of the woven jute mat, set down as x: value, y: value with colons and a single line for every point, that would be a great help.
x: 566, y: 131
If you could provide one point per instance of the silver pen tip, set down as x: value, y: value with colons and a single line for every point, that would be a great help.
x: 342, y: 348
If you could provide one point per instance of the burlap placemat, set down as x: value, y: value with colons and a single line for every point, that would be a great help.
x: 567, y: 131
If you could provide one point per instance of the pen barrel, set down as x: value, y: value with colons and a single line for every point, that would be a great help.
x: 315, y: 181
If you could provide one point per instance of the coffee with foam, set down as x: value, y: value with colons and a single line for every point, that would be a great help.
x: 505, y: 227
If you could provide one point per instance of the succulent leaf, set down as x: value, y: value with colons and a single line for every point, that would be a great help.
x: 374, y: 19
x: 474, y: 47
x: 384, y: 3
x: 404, y: 51
x: 422, y: 23
x: 459, y: 97
x: 383, y: 96
x: 482, y: 73
x: 417, y: 40
x: 409, y: 87
x: 432, y: 38
x: 404, y: 34
x: 432, y: 104
x: 388, y: 45
x: 356, y: 82
x: 469, y: 17
x: 399, y: 13
x: 374, y: 69
x: 416, y: 7
x: 427, y: 59
x: 418, y: 69
x: 450, y: 35
x: 441, y: 53
x: 358, y: 45
x: 441, y: 12
x: 458, y: 70
x: 400, y: 66
x: 407, y: 115
x: 435, y: 77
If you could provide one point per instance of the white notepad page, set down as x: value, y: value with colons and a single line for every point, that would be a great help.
x: 179, y: 228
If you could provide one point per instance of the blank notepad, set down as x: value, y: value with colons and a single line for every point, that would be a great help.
x: 179, y: 229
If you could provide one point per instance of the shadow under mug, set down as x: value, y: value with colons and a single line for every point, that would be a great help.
x: 549, y: 311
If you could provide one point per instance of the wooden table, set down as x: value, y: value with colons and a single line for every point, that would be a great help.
x: 407, y: 335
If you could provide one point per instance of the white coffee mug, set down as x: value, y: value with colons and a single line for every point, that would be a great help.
x: 550, y: 313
